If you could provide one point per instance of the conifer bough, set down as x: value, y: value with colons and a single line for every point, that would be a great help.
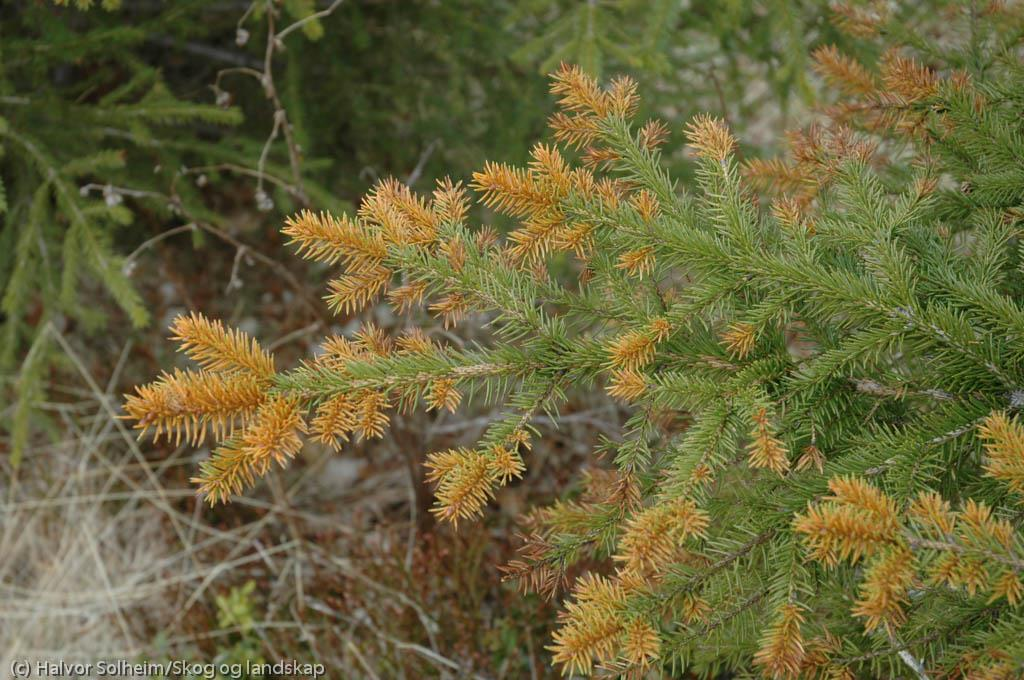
x: 845, y: 499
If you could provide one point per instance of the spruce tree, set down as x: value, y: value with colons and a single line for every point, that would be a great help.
x: 79, y: 113
x: 823, y: 472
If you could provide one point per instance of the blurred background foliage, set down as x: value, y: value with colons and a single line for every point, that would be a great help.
x: 149, y: 151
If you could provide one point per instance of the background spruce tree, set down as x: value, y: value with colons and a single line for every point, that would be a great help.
x: 79, y: 114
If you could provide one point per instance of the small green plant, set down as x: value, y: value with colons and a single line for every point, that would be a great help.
x: 238, y: 646
x: 236, y: 613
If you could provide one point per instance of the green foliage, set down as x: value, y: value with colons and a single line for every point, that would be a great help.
x: 708, y: 52
x: 83, y: 5
x: 443, y: 86
x: 80, y: 118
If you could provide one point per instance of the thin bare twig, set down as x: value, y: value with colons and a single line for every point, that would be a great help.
x: 282, y: 126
